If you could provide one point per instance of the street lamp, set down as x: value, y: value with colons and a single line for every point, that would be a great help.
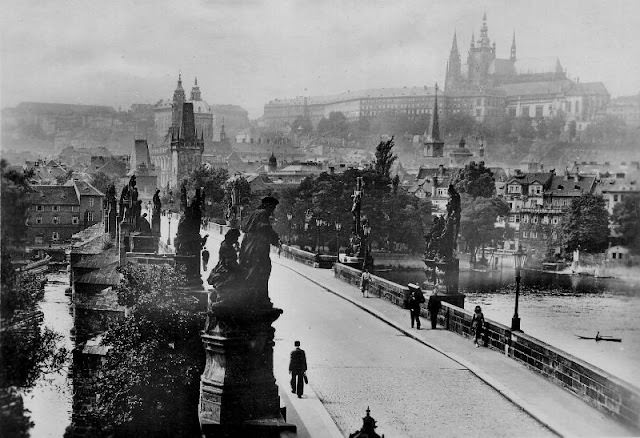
x: 338, y: 226
x: 518, y: 257
x: 289, y: 217
x: 169, y: 233
x: 366, y: 232
x: 308, y: 215
x: 318, y: 224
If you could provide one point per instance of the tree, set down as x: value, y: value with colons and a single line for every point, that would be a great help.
x: 524, y: 127
x: 155, y: 358
x: 14, y: 193
x: 475, y: 180
x: 459, y: 124
x: 385, y: 159
x: 607, y: 129
x: 556, y: 124
x: 626, y: 219
x: 101, y: 181
x: 585, y: 225
x: 213, y: 180
x: 302, y: 125
x: 478, y: 218
x: 335, y: 126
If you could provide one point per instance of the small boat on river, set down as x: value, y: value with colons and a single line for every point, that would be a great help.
x: 599, y: 337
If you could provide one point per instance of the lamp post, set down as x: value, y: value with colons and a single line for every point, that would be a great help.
x: 318, y: 224
x: 338, y: 226
x: 169, y: 214
x: 308, y: 215
x: 289, y: 217
x: 366, y: 232
x: 518, y: 257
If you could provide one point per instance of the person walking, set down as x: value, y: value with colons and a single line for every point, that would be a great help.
x: 433, y: 306
x: 477, y: 324
x: 416, y: 299
x: 298, y: 369
x: 365, y: 279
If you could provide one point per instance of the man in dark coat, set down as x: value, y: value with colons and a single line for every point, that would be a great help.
x: 433, y: 306
x: 415, y: 301
x: 297, y: 369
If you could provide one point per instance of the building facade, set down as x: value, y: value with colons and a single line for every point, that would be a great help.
x: 59, y: 211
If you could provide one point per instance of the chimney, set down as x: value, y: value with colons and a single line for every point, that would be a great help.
x: 441, y: 170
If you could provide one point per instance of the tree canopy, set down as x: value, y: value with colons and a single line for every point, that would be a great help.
x: 335, y: 126
x: 15, y: 203
x: 213, y: 180
x: 478, y: 218
x: 585, y: 225
x: 155, y: 358
x: 626, y: 219
x: 475, y: 180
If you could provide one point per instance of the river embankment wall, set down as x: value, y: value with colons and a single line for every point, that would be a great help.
x: 595, y: 386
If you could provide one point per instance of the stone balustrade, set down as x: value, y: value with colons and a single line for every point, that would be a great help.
x: 378, y: 286
x: 595, y: 386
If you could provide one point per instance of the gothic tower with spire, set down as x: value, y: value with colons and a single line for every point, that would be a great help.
x: 481, y: 55
x: 513, y: 47
x: 433, y: 143
x: 177, y: 106
x: 187, y: 146
x: 454, y: 67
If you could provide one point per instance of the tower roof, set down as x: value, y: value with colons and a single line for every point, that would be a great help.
x: 435, y: 122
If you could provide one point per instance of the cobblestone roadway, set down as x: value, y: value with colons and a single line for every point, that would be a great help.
x: 356, y: 360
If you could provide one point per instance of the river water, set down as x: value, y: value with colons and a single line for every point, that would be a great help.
x: 556, y: 308
x: 50, y: 399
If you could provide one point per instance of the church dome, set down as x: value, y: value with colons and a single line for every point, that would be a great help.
x: 200, y: 106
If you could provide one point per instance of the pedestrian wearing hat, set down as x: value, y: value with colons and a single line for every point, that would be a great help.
x: 298, y: 369
x: 477, y: 323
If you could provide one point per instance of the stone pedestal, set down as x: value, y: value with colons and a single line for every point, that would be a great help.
x: 191, y: 265
x: 155, y: 223
x: 238, y: 393
x: 446, y: 275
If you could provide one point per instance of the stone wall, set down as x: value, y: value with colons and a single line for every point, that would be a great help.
x: 301, y: 256
x: 595, y: 386
x: 378, y: 286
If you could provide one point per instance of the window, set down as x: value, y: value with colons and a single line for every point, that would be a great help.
x: 545, y: 219
x: 55, y: 236
x: 525, y: 234
x: 56, y: 208
x: 39, y: 207
x: 525, y: 218
x: 525, y: 111
x: 75, y: 208
x: 38, y: 240
x: 38, y: 219
x: 534, y: 220
x: 534, y: 234
x: 615, y: 198
x: 554, y: 220
x: 56, y: 220
x: 75, y: 220
x: 517, y: 219
x: 613, y: 255
x: 91, y: 201
x: 538, y: 111
x: 90, y: 216
x: 512, y: 218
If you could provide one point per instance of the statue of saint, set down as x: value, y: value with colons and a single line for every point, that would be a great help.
x: 157, y: 204
x: 227, y: 271
x: 144, y: 227
x: 256, y: 245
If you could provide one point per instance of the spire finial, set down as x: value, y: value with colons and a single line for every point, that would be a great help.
x: 196, y: 81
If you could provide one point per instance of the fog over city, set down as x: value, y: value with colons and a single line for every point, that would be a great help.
x: 247, y: 53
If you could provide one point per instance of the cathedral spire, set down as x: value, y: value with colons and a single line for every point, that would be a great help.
x: 435, y: 123
x: 473, y: 40
x: 195, y: 91
x: 484, y: 32
x: 513, y: 47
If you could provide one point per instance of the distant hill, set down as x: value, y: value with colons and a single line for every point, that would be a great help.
x: 48, y: 128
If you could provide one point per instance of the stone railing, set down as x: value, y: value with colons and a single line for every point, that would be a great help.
x: 603, y: 390
x: 378, y: 286
x: 595, y: 386
x: 301, y: 256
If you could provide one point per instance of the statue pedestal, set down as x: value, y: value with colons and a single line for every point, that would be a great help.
x: 238, y: 393
x: 191, y: 265
x: 448, y: 275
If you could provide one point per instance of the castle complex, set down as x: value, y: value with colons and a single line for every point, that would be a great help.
x: 486, y: 87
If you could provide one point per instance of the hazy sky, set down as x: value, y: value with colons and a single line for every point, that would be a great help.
x: 119, y: 52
